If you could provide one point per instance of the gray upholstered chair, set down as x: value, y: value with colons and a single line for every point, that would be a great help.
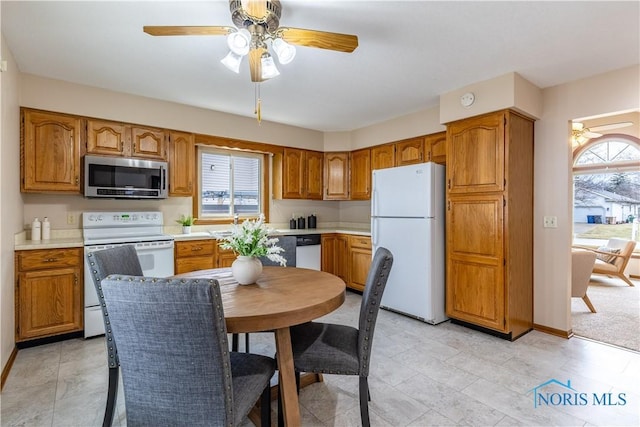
x: 117, y: 260
x: 175, y: 360
x: 288, y: 243
x: 340, y: 349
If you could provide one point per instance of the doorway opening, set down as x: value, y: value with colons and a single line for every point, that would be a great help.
x: 606, y: 178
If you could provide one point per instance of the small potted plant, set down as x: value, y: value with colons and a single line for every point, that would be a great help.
x: 186, y: 222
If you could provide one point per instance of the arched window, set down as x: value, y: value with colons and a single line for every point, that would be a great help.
x: 606, y: 176
x: 607, y: 153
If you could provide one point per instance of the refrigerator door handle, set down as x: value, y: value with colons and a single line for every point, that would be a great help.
x: 374, y: 235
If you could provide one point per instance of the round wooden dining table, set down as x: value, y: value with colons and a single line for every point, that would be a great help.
x: 280, y: 298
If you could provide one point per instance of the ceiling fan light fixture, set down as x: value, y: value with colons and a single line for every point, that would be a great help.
x: 239, y: 42
x: 283, y: 50
x: 269, y: 69
x: 232, y: 62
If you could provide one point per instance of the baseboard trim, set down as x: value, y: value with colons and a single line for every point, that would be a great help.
x: 8, y: 366
x: 553, y: 331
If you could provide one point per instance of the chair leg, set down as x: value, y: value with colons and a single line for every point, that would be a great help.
x: 112, y: 396
x: 280, y: 414
x: 587, y: 301
x: 364, y: 401
x: 626, y: 279
x: 234, y: 342
x: 265, y: 407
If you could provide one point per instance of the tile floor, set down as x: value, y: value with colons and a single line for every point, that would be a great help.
x: 421, y: 375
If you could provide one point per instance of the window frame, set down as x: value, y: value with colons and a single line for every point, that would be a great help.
x: 265, y: 195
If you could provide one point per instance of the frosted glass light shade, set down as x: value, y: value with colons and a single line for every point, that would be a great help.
x: 232, y: 62
x: 239, y: 42
x: 284, y: 51
x: 269, y: 69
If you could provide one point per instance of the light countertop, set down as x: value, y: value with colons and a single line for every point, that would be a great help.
x: 73, y: 238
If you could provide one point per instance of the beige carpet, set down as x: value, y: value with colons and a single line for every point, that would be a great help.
x: 617, y: 320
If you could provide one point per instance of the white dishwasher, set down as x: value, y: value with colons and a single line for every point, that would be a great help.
x: 308, y: 251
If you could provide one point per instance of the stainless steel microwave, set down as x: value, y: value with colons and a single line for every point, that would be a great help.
x: 124, y: 178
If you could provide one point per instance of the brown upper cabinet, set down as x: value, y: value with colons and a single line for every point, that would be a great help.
x: 410, y: 151
x: 119, y: 139
x: 436, y: 147
x: 336, y: 175
x: 476, y: 154
x: 383, y: 156
x: 181, y: 160
x: 360, y: 174
x: 49, y: 152
x: 107, y: 138
x: 298, y: 174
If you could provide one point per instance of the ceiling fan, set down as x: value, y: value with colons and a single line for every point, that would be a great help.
x: 256, y: 22
x: 581, y: 134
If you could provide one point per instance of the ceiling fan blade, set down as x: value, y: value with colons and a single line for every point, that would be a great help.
x: 188, y: 30
x: 255, y: 8
x: 319, y: 39
x: 610, y: 126
x: 255, y: 64
x: 590, y: 134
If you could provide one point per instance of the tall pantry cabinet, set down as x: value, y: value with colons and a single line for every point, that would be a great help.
x: 490, y: 222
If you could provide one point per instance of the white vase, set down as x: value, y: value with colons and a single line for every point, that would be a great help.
x: 246, y: 269
x: 186, y: 229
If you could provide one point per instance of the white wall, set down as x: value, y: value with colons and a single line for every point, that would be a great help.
x: 617, y: 91
x: 11, y: 204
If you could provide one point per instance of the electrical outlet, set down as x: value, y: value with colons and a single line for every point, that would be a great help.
x: 550, y: 222
x: 71, y: 219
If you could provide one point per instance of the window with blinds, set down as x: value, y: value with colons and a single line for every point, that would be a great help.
x: 230, y: 183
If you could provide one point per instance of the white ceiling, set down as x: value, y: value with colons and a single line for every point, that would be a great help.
x: 409, y: 52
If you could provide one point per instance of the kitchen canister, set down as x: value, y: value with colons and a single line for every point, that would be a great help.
x: 311, y: 221
x: 46, y: 229
x: 301, y: 223
x: 35, y: 229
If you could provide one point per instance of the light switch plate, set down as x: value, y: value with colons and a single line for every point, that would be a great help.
x: 550, y: 222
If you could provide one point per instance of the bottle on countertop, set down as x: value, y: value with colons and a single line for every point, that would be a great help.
x: 311, y: 221
x: 292, y: 222
x: 46, y: 229
x: 35, y: 229
x: 301, y: 223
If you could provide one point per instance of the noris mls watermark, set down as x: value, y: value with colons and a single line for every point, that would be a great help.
x: 557, y: 393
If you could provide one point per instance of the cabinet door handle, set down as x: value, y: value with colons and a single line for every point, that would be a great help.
x: 196, y: 248
x: 50, y: 259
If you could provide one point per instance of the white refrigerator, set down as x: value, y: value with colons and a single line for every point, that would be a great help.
x: 408, y: 218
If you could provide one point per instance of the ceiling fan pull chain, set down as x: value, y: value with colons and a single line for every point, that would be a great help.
x: 257, y: 111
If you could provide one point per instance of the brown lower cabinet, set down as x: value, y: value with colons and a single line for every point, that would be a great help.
x: 348, y: 257
x: 49, y: 298
x: 192, y: 255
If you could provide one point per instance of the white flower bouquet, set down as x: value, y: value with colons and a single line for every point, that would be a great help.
x: 251, y: 238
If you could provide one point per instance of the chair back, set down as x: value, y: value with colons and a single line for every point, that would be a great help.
x: 288, y: 244
x: 172, y: 343
x: 626, y: 249
x: 374, y: 287
x: 582, y: 263
x: 117, y: 260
